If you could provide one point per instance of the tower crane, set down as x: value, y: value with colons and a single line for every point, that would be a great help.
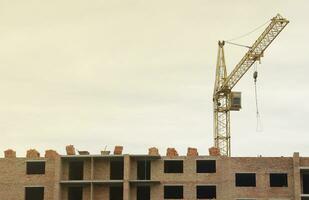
x: 224, y: 99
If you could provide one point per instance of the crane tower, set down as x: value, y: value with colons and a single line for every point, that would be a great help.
x: 224, y: 99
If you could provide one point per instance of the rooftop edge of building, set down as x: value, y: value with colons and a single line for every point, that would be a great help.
x: 153, y: 153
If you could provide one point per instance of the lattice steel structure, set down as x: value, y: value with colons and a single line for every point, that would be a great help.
x: 222, y: 96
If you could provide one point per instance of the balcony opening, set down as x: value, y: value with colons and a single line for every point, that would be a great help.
x: 173, y: 166
x: 116, y: 169
x: 143, y: 169
x: 245, y: 179
x: 278, y: 180
x: 75, y: 193
x: 305, y: 182
x: 34, y: 193
x: 205, y: 166
x: 173, y: 192
x: 115, y: 193
x: 143, y: 193
x: 35, y: 167
x: 206, y: 192
x: 76, y: 170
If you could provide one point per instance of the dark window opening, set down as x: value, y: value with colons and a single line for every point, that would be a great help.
x: 278, y: 180
x: 205, y: 166
x: 75, y: 193
x: 245, y: 180
x: 305, y: 198
x: 143, y: 193
x: 34, y: 193
x: 305, y: 183
x: 143, y: 169
x: 206, y: 192
x: 116, y: 170
x: 76, y: 170
x: 236, y: 101
x: 173, y: 166
x: 173, y: 192
x: 116, y: 193
x: 36, y: 167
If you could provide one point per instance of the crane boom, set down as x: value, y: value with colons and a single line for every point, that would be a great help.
x: 256, y: 51
x: 224, y: 99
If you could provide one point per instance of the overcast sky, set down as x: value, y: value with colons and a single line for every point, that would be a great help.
x: 141, y: 73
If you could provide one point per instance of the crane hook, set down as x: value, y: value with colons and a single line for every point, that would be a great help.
x: 258, y: 118
x: 255, y: 75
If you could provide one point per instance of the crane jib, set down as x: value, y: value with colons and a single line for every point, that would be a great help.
x: 256, y: 51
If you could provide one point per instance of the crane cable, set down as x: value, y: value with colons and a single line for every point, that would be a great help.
x: 252, y: 31
x: 258, y: 116
x: 229, y: 41
x: 240, y: 45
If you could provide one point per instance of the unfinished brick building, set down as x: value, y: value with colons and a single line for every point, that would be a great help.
x: 120, y: 176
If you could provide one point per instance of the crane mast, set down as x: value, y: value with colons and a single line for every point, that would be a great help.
x: 223, y: 98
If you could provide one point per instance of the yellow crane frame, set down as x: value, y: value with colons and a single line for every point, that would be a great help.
x: 223, y: 95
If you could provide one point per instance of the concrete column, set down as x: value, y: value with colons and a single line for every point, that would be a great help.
x: 91, y: 168
x: 91, y: 191
x: 91, y: 177
x: 126, y: 178
x: 296, y: 175
x: 58, y: 172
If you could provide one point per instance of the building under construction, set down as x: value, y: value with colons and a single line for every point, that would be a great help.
x: 117, y: 176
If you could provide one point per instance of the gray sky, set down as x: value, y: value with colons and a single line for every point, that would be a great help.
x: 141, y: 73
